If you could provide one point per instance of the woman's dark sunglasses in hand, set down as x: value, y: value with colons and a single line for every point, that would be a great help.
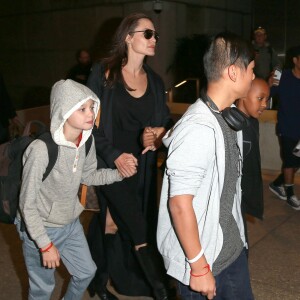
x: 148, y: 34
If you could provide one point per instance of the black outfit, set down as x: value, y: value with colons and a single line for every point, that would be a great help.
x: 252, y: 184
x: 130, y: 117
x: 7, y: 112
x: 132, y: 203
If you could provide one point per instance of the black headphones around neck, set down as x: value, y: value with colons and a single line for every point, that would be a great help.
x: 235, y: 118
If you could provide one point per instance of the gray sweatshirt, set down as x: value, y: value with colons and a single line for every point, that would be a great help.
x: 195, y: 166
x: 54, y: 202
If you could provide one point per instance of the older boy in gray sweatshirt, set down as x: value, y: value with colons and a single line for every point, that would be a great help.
x: 200, y: 229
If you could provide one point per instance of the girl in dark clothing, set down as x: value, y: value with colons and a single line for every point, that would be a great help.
x: 134, y: 118
x: 253, y: 106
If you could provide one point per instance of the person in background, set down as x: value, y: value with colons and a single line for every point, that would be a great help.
x: 200, y: 227
x: 80, y: 72
x: 134, y: 118
x: 253, y: 105
x: 266, y: 59
x: 288, y: 128
x: 50, y: 209
x: 8, y: 113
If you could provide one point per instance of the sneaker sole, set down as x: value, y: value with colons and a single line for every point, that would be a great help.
x: 294, y: 207
x: 278, y: 195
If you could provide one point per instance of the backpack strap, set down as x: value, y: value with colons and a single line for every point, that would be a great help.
x: 88, y: 145
x: 52, y: 148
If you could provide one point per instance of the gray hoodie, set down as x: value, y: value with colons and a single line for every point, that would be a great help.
x: 54, y: 202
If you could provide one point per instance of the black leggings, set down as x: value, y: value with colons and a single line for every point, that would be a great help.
x: 289, y: 160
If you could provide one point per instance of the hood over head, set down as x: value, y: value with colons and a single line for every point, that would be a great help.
x: 66, y: 97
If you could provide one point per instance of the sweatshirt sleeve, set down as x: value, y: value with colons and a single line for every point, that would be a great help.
x: 92, y: 176
x: 190, y: 155
x: 35, y: 161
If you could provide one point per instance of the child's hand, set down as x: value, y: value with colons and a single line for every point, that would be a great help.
x: 202, y: 279
x: 50, y: 257
x: 126, y: 164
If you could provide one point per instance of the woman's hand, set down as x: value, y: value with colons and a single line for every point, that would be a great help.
x: 126, y: 164
x: 152, y: 138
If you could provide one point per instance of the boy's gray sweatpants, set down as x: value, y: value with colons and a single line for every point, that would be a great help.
x: 75, y: 255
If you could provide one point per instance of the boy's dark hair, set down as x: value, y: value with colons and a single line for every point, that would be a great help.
x: 295, y: 51
x: 290, y: 54
x: 226, y: 49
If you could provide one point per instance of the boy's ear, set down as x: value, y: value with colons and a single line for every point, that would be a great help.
x: 232, y: 72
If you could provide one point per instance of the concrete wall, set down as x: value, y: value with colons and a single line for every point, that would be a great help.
x: 39, y: 38
x: 281, y: 19
x: 268, y: 141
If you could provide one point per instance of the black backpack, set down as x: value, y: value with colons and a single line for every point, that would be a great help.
x: 11, y: 167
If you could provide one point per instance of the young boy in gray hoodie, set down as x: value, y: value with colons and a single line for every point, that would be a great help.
x: 51, y: 208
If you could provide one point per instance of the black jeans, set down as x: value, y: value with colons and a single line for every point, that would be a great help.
x: 233, y: 283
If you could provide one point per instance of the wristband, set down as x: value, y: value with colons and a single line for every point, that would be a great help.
x: 200, y: 275
x: 190, y: 261
x: 47, y: 249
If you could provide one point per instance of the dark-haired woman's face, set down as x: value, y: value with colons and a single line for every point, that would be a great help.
x: 138, y: 42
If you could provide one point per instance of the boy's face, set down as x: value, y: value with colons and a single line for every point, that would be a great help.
x: 257, y: 99
x: 82, y: 118
x: 244, y: 79
x: 296, y: 61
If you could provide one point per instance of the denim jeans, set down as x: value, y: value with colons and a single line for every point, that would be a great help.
x: 75, y: 254
x: 233, y: 283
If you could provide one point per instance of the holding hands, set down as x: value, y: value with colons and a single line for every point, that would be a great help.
x: 152, y: 138
x: 126, y: 164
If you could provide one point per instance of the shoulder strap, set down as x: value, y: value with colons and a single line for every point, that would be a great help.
x: 52, y: 148
x: 88, y: 145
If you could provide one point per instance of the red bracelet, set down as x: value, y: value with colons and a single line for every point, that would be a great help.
x: 47, y: 249
x: 199, y: 275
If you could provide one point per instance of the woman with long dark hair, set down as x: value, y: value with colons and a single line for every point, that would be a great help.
x: 134, y: 118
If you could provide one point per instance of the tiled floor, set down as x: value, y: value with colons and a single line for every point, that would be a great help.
x: 274, y: 255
